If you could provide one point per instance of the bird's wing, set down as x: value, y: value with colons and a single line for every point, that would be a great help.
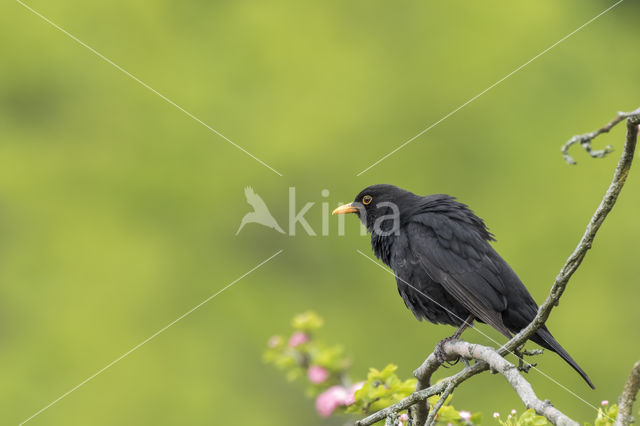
x: 255, y: 200
x: 460, y: 259
x: 424, y: 297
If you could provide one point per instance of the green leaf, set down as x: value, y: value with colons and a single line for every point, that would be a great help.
x: 307, y: 321
x: 388, y: 371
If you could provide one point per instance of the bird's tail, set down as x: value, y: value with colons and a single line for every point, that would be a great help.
x: 544, y: 338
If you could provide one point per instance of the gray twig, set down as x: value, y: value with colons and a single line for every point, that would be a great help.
x: 489, y: 358
x: 625, y: 402
x: 522, y: 364
x: 391, y: 419
x: 575, y: 259
x: 513, y: 376
x: 585, y: 140
x: 431, y: 419
x: 402, y: 405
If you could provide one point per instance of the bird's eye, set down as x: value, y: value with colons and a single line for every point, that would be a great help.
x: 367, y: 199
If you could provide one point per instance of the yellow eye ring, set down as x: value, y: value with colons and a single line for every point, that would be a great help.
x: 367, y: 199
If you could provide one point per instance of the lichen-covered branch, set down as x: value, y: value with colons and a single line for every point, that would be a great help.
x: 520, y: 385
x: 585, y: 140
x: 488, y: 358
x: 402, y: 405
x: 575, y: 259
x: 424, y: 389
x: 510, y: 372
x: 625, y: 402
x: 448, y: 390
x: 423, y: 375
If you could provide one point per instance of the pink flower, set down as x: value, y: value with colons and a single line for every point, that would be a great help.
x: 513, y: 411
x: 298, y: 338
x: 352, y: 393
x: 403, y: 418
x: 317, y: 374
x: 329, y: 400
x: 604, y: 403
x: 334, y: 397
x: 274, y: 341
x: 496, y: 415
x: 465, y: 415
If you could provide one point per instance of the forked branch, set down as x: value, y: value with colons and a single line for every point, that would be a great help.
x: 585, y: 140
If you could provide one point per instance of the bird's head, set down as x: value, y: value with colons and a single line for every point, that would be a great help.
x: 380, y: 207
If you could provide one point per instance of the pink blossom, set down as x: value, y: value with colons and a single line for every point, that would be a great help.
x: 298, y: 338
x: 274, y: 341
x: 352, y: 393
x: 403, y: 418
x: 465, y: 415
x: 604, y: 403
x: 496, y: 415
x: 334, y: 397
x: 513, y: 411
x: 317, y: 374
x: 329, y: 400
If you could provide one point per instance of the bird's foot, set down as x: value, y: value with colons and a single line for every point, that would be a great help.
x: 441, y: 354
x: 522, y: 364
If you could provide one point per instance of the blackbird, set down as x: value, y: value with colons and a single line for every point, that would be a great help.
x: 445, y: 268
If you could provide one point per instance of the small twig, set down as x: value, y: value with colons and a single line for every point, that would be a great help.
x: 431, y: 419
x: 625, y: 402
x: 423, y: 375
x: 402, y: 405
x: 522, y: 364
x: 411, y: 415
x: 585, y: 140
x: 532, y: 352
x: 391, y: 420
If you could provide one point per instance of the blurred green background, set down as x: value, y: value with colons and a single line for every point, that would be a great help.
x: 118, y: 212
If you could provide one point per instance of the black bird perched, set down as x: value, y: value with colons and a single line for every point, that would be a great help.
x: 446, y: 270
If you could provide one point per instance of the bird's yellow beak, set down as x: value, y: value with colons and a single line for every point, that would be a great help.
x: 347, y: 208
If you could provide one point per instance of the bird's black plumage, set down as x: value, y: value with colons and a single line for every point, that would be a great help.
x: 446, y: 269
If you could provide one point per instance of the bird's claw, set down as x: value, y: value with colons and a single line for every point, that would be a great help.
x: 522, y: 364
x: 441, y: 354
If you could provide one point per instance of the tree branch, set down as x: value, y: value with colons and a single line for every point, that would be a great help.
x: 575, y: 259
x: 585, y: 140
x: 625, y: 402
x: 402, y: 405
x: 488, y: 358
x: 510, y: 372
x: 495, y: 359
x: 448, y: 390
